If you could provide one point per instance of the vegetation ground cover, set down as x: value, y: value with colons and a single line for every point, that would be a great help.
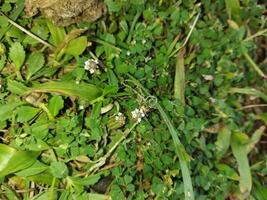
x: 156, y: 100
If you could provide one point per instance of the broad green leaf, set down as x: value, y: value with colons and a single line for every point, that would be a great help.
x: 59, y: 169
x: 227, y: 171
x: 233, y: 9
x: 249, y: 91
x: 7, y: 109
x: 26, y: 113
x: 255, y: 138
x: 42, y: 178
x: 56, y: 103
x: 16, y: 87
x: 13, y: 160
x: 223, y: 141
x: 86, y: 181
x: 17, y: 54
x: 34, y: 63
x: 36, y: 168
x: 85, y: 91
x: 77, y: 46
x: 57, y: 33
x: 93, y: 122
x: 239, y: 149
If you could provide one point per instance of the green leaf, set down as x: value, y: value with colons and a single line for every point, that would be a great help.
x: 59, y: 169
x: 16, y: 87
x: 7, y: 109
x: 56, y: 103
x: 17, y: 54
x: 223, y: 141
x: 26, y: 113
x: 34, y: 63
x: 36, y: 168
x: 228, y: 171
x: 86, y: 181
x: 239, y: 149
x: 85, y: 91
x: 12, y: 160
x: 77, y: 46
x: 233, y: 9
x: 255, y: 138
x: 57, y: 33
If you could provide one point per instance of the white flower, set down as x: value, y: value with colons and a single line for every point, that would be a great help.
x: 128, y: 53
x: 138, y: 114
x: 208, y: 77
x: 143, y: 41
x: 148, y: 58
x: 120, y: 117
x: 91, y: 65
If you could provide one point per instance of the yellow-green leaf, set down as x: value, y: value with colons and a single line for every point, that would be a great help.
x: 17, y: 54
x: 239, y: 148
x: 70, y: 88
x: 12, y: 160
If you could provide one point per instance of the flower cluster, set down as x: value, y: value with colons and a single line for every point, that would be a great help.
x: 138, y: 114
x: 91, y: 65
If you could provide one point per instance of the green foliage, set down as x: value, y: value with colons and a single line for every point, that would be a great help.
x: 156, y: 100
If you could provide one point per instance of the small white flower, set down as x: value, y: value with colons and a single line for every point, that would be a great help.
x: 212, y: 100
x: 133, y: 42
x: 138, y: 114
x: 77, y: 82
x: 208, y: 77
x: 148, y: 58
x: 81, y: 107
x: 120, y: 117
x: 143, y: 41
x: 91, y: 65
x: 128, y: 53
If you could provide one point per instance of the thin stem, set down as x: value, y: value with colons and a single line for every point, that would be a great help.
x: 255, y: 66
x: 27, y: 32
x: 259, y: 33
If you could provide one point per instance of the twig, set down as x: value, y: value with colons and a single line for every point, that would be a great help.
x: 252, y: 106
x: 259, y: 33
x: 187, y: 37
x: 27, y: 32
x: 255, y: 66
